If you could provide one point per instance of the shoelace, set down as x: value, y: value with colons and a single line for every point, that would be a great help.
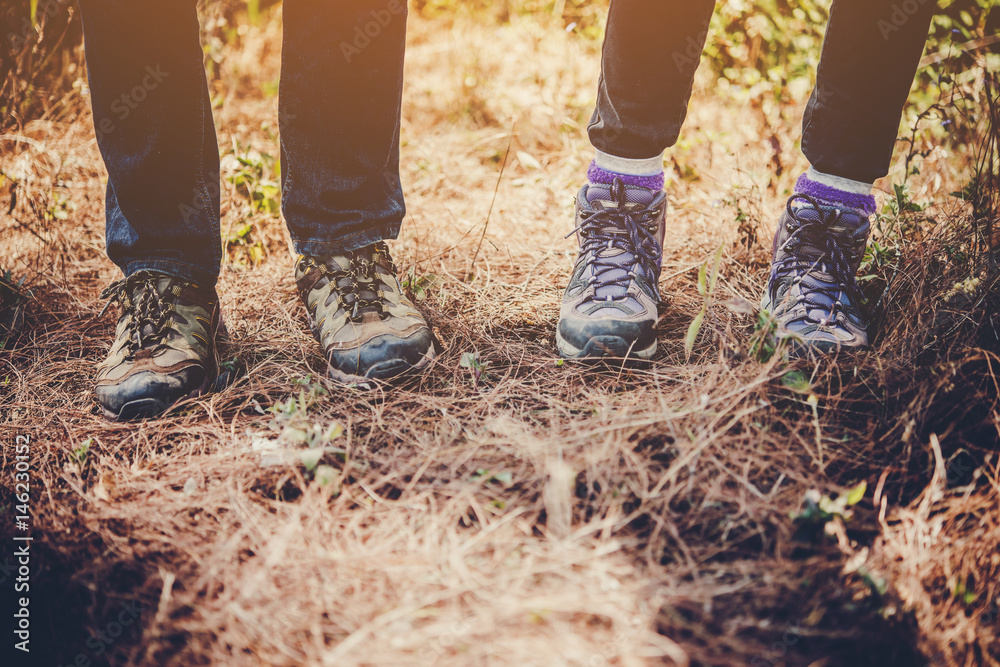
x: 626, y: 228
x: 359, y: 287
x: 150, y: 312
x: 833, y: 260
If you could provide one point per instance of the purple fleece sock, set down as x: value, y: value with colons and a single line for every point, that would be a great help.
x: 830, y: 195
x: 599, y: 176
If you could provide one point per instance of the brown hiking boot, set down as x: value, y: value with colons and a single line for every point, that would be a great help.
x: 367, y: 328
x: 164, y: 348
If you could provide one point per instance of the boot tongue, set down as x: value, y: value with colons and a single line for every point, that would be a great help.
x: 851, y: 231
x: 367, y: 286
x: 148, y: 296
x: 609, y: 195
x: 848, y: 226
x: 807, y: 215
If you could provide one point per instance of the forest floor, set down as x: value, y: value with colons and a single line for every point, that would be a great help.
x: 506, y: 508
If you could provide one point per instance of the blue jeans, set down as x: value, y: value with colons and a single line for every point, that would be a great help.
x: 340, y: 92
x: 870, y: 54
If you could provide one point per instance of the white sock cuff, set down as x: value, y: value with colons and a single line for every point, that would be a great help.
x: 840, y: 183
x: 621, y: 165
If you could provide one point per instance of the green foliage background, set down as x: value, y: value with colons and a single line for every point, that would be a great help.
x: 769, y: 47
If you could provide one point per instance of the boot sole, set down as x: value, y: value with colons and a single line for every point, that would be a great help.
x: 385, y: 372
x: 148, y: 408
x: 604, y: 347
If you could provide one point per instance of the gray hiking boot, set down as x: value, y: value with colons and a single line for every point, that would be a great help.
x: 164, y: 348
x: 609, y: 308
x: 812, y: 293
x: 368, y: 329
x: 13, y: 298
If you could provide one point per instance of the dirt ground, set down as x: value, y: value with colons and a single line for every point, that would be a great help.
x: 506, y: 508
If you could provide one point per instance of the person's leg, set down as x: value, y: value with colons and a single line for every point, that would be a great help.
x: 870, y: 54
x: 341, y: 88
x: 651, y: 52
x: 650, y: 55
x: 153, y: 120
x: 154, y: 127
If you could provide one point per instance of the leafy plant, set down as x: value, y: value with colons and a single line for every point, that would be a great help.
x: 765, y: 47
x: 706, y: 287
x: 294, y: 424
x: 964, y: 591
x: 59, y: 208
x: 421, y: 286
x: 476, y: 366
x: 484, y: 475
x: 79, y: 455
x: 819, y: 508
x: 296, y: 436
x: 797, y: 381
x: 763, y: 343
x: 257, y: 177
x: 244, y: 247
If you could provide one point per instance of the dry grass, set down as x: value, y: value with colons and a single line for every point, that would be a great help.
x: 543, y: 514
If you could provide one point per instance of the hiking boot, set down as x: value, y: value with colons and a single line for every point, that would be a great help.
x: 164, y: 348
x: 13, y: 297
x: 609, y: 308
x: 812, y: 293
x: 368, y: 329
